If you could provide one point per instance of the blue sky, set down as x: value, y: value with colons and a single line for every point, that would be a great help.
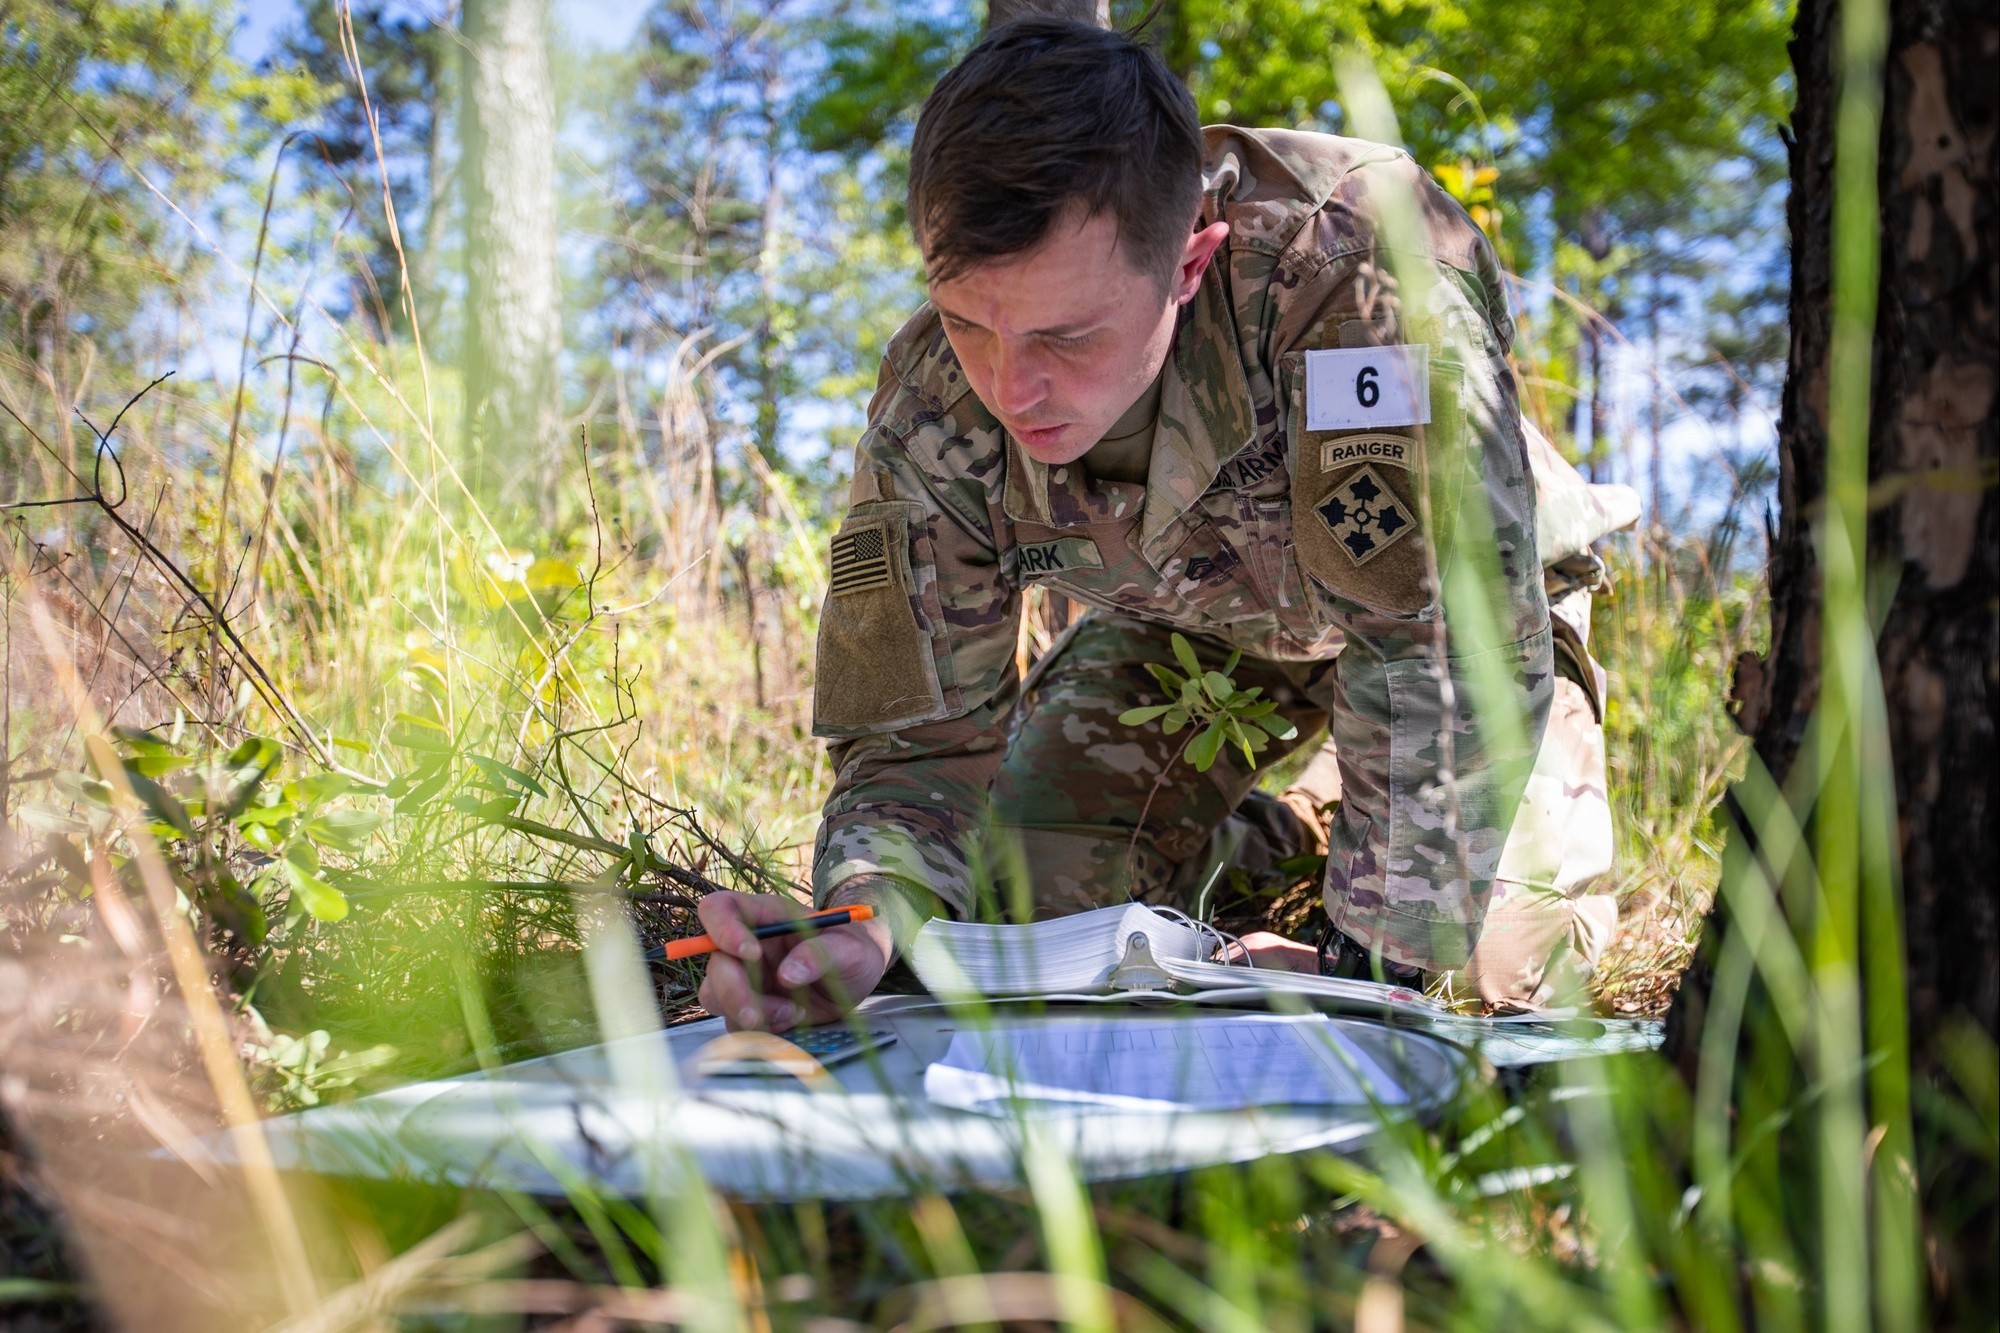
x: 603, y: 24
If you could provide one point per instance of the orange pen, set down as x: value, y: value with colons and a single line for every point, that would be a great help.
x: 810, y: 924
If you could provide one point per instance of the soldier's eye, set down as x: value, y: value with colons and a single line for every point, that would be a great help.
x: 1077, y: 341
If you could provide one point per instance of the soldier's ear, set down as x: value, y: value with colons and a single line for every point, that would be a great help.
x: 1196, y: 255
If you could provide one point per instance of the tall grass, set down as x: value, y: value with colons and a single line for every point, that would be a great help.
x: 540, y: 754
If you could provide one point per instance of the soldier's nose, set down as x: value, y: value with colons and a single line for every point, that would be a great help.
x: 1017, y: 388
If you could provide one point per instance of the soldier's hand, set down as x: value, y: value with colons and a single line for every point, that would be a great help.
x: 1275, y: 951
x: 792, y: 980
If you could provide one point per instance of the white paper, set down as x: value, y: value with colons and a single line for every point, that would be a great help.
x: 1221, y: 1063
x: 1352, y: 991
x: 1356, y: 388
x: 1068, y: 953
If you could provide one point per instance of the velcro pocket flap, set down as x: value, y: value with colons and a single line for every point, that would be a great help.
x: 1358, y: 517
x: 877, y: 664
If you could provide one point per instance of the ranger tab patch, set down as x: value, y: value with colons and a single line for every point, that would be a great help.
x: 1369, y: 447
x: 1365, y: 516
x: 860, y: 560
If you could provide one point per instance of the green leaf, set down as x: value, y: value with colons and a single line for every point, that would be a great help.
x: 486, y: 811
x: 316, y: 787
x: 51, y: 820
x: 420, y: 733
x: 1201, y: 751
x: 248, y: 765
x: 1248, y: 741
x: 1279, y: 728
x: 1308, y: 866
x: 78, y: 787
x: 158, y: 763
x: 162, y: 804
x: 349, y: 743
x: 420, y: 741
x: 1229, y: 667
x: 1138, y: 717
x: 423, y: 791
x: 422, y: 771
x: 255, y: 752
x: 344, y: 829
x: 266, y: 814
x: 496, y: 770
x: 1176, y: 719
x: 320, y: 899
x: 1219, y: 686
x: 302, y: 855
x: 1170, y: 680
x: 1184, y: 654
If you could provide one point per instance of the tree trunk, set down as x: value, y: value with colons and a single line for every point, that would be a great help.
x: 1935, y: 525
x: 1933, y: 532
x: 513, y: 318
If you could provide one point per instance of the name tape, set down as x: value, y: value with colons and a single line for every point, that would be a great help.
x: 1357, y: 388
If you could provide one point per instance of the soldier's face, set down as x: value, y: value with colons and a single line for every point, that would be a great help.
x: 1059, y: 341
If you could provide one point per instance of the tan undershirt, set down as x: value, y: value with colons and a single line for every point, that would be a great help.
x: 1127, y: 448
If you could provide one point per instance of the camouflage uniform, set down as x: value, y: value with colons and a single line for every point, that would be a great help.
x: 1317, y: 553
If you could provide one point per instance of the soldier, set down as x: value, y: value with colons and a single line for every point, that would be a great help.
x: 1189, y: 378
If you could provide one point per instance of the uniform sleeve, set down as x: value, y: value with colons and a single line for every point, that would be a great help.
x: 1443, y: 689
x: 915, y: 670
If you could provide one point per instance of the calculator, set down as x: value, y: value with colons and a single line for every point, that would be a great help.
x: 830, y: 1045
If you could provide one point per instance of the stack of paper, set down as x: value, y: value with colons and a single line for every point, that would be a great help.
x: 1075, y: 955
x: 1224, y: 1063
x: 1069, y: 953
x: 1350, y: 992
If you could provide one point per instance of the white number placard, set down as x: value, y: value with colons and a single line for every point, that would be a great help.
x: 1354, y: 388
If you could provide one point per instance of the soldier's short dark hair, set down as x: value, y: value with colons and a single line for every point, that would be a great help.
x: 1043, y: 115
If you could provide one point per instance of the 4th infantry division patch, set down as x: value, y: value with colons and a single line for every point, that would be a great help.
x: 1365, y: 516
x: 860, y: 560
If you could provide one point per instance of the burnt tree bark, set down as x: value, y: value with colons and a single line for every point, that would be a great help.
x: 1933, y: 530
x: 1933, y: 527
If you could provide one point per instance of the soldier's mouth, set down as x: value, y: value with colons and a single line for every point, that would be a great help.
x: 1040, y: 434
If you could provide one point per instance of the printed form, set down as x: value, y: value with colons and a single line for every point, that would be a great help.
x: 1216, y: 1063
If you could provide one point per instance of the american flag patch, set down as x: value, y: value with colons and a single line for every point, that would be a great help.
x: 860, y: 560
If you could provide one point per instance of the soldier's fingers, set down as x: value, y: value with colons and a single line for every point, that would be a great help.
x: 837, y: 955
x: 729, y: 917
x: 726, y: 992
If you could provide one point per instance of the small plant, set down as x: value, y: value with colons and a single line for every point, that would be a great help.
x: 298, y: 1071
x: 1226, y: 714
x: 232, y: 835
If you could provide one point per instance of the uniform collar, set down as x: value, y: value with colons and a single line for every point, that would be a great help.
x: 1205, y: 418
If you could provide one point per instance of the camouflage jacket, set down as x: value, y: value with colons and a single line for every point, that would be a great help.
x: 1253, y: 528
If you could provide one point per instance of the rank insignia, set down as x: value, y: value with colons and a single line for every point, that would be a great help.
x: 1365, y: 516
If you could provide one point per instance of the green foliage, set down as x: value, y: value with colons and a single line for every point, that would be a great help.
x: 877, y: 74
x: 303, y: 1069
x: 247, y: 848
x: 1607, y: 107
x: 99, y: 102
x: 1210, y: 699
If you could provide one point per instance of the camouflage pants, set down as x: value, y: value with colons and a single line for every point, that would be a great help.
x: 1075, y: 784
